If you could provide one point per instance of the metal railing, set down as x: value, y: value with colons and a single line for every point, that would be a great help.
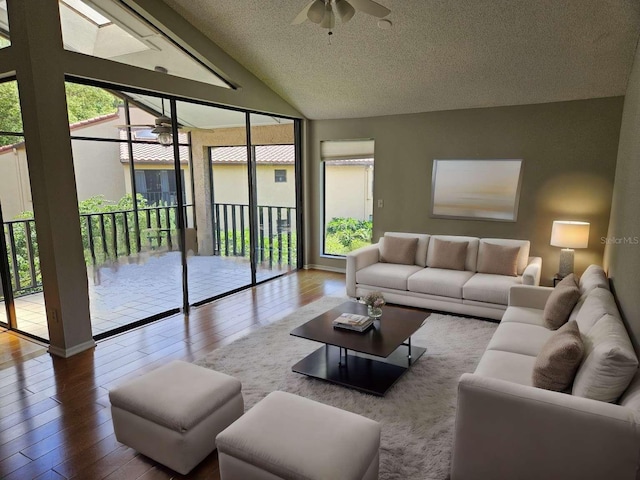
x: 109, y: 235
x: 276, y: 242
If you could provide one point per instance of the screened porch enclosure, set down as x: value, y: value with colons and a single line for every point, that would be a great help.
x: 138, y: 204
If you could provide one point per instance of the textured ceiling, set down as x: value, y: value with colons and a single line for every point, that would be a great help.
x: 439, y: 54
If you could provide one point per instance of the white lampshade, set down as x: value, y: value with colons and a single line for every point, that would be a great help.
x: 568, y: 234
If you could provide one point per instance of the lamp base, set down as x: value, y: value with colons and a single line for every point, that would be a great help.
x: 566, y: 262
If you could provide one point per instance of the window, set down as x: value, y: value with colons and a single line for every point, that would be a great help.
x: 109, y: 29
x: 348, y: 195
x: 158, y: 187
x: 4, y: 25
x: 280, y: 176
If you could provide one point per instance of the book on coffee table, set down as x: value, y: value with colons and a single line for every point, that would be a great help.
x: 353, y: 321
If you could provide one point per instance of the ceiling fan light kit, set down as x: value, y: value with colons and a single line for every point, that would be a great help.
x: 321, y: 12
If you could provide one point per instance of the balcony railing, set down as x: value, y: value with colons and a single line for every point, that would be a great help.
x: 109, y: 235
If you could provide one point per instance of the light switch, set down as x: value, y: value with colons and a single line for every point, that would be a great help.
x: 380, y: 204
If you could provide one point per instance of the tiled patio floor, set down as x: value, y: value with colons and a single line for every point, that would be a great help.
x: 139, y: 287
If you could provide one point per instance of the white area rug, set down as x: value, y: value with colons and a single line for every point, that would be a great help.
x: 417, y: 414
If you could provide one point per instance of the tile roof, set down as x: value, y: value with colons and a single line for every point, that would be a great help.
x: 72, y: 126
x: 94, y: 120
x: 267, y: 154
x: 152, y: 152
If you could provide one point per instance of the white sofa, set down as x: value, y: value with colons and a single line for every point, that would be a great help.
x: 458, y: 291
x: 507, y: 428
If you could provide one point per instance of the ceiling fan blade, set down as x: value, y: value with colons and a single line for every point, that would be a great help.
x: 135, y: 126
x: 345, y: 10
x: 316, y: 11
x: 302, y: 16
x: 371, y: 8
x: 329, y: 19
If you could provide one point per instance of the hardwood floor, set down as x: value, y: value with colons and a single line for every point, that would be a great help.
x: 55, y: 420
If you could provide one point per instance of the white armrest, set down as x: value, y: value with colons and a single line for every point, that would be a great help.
x: 507, y: 430
x: 531, y: 274
x: 357, y: 260
x: 529, y: 296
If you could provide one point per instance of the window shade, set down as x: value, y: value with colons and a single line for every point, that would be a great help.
x: 346, y: 149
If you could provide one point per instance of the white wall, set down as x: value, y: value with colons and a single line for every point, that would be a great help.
x: 15, y: 193
x: 348, y: 191
x: 230, y: 185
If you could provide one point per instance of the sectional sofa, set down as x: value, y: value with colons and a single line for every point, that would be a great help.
x: 422, y: 282
x: 507, y: 428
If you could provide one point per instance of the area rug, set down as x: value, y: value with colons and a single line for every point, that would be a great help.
x: 417, y: 414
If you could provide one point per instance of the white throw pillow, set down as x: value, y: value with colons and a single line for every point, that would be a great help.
x: 598, y: 303
x: 609, y: 362
x: 593, y: 277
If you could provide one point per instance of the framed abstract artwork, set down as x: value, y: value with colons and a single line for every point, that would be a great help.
x: 476, y: 189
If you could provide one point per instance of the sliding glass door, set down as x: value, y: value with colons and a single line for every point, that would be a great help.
x: 22, y: 297
x: 274, y: 155
x: 180, y: 202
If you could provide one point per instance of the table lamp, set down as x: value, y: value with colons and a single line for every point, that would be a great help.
x: 569, y: 235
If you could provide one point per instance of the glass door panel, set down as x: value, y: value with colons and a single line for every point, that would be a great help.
x: 273, y: 148
x: 126, y: 195
x: 217, y: 217
x: 22, y: 260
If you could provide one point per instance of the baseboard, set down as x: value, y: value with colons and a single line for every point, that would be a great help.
x: 68, y: 352
x: 325, y: 268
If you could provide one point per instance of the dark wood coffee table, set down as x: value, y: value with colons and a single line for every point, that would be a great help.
x: 371, y: 361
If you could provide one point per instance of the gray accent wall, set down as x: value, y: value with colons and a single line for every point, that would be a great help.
x: 622, y: 253
x: 569, y: 151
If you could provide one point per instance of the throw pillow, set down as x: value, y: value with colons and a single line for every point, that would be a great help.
x: 568, y: 281
x: 498, y: 259
x: 449, y: 255
x: 559, y: 359
x: 399, y: 250
x: 559, y: 306
x: 609, y: 362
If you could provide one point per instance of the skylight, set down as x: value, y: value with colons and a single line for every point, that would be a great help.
x: 109, y: 29
x: 87, y: 11
x: 4, y: 25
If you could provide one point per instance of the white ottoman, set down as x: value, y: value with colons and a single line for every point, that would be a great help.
x: 289, y: 437
x: 174, y: 413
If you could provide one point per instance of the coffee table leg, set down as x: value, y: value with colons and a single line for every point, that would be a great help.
x: 340, y: 363
x: 409, y: 355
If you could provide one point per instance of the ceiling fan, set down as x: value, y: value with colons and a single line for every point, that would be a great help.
x: 322, y: 13
x: 162, y: 128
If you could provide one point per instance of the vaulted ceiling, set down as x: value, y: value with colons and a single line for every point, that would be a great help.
x: 438, y: 55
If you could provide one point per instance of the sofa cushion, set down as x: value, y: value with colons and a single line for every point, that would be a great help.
x: 472, y: 249
x: 559, y: 358
x: 421, y: 250
x: 523, y: 253
x: 484, y: 287
x: 609, y: 361
x: 522, y: 338
x: 449, y: 255
x: 559, y: 305
x: 399, y: 250
x: 528, y: 315
x: 386, y: 275
x: 593, y: 277
x: 508, y: 366
x: 598, y: 303
x: 437, y: 281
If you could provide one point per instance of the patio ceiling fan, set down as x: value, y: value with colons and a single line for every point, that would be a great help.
x: 162, y: 128
x: 322, y: 13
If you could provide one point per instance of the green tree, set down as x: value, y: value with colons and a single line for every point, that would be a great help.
x: 83, y: 102
x: 10, y: 117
